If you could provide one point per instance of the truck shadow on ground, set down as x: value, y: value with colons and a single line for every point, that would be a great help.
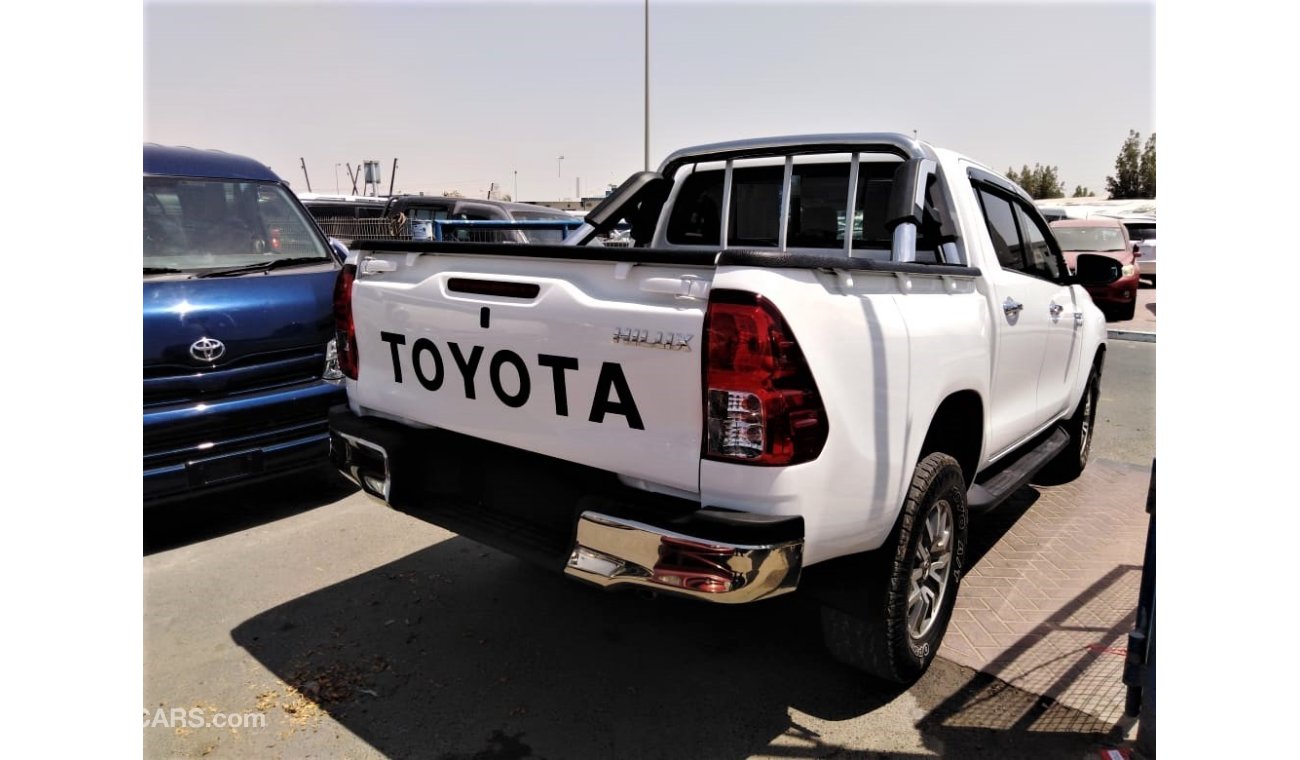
x: 988, y: 527
x: 458, y: 651
x: 188, y: 521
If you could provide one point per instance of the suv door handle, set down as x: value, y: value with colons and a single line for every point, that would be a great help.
x: 1056, y: 310
x: 1012, y: 307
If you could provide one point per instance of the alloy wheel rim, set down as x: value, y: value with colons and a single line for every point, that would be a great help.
x: 1085, y: 429
x: 931, y: 570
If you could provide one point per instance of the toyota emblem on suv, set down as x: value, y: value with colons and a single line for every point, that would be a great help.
x: 207, y: 349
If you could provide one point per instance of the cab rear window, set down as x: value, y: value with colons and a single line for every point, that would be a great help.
x: 818, y: 204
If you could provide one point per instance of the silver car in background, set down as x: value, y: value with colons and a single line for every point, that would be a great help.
x: 1142, y: 231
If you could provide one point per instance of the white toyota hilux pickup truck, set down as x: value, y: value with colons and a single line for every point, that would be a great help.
x: 820, y: 356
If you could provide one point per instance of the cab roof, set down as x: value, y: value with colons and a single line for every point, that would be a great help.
x: 191, y: 162
x: 357, y: 200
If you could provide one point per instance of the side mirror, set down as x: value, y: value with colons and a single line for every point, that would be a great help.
x: 1094, y: 269
x: 1137, y: 249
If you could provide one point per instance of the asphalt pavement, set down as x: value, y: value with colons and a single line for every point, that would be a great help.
x: 360, y: 632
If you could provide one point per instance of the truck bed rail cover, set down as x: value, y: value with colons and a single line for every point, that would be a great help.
x: 787, y: 260
x: 572, y: 252
x: 731, y: 257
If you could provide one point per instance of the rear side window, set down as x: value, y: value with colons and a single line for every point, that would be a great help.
x: 1001, y: 221
x: 1019, y: 240
x: 1039, y: 258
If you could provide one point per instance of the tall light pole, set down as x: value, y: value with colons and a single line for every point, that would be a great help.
x: 647, y: 85
x: 336, y: 179
x: 515, y: 197
x: 558, y: 164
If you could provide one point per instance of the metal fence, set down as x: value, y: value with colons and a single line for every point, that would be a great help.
x: 347, y: 228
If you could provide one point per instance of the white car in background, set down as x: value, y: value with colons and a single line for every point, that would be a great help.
x: 1147, y: 260
x: 1142, y: 231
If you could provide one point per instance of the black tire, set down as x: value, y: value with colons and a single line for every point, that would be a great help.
x: 1125, y: 313
x: 1081, y: 426
x: 879, y: 641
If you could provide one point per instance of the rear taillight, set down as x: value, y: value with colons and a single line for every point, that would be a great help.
x: 761, y: 404
x: 345, y: 330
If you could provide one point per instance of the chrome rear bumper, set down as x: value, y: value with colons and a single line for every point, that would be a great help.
x: 611, y: 551
x: 711, y: 554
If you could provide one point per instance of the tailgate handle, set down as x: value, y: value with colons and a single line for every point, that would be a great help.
x: 523, y: 290
x: 680, y: 287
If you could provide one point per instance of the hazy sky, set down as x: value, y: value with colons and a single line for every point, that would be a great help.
x: 464, y: 94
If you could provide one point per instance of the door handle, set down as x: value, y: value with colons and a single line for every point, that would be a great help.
x: 1056, y: 310
x: 1012, y: 307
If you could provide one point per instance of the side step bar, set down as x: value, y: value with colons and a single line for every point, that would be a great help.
x: 1016, y: 472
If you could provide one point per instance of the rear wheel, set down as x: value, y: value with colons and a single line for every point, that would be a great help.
x: 912, y: 581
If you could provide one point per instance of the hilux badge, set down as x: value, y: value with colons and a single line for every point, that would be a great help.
x: 207, y: 349
x: 656, y: 339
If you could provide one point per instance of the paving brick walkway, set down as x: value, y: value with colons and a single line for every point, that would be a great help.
x: 1050, y: 597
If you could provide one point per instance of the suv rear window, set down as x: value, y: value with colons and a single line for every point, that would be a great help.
x: 1138, y: 231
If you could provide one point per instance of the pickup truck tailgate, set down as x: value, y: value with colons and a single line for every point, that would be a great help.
x: 594, y: 362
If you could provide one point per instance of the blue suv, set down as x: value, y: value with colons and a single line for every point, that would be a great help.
x: 239, y: 369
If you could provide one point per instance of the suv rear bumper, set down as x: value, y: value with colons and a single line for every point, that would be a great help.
x: 567, y: 517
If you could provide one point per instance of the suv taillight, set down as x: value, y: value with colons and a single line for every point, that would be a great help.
x: 761, y: 404
x: 345, y: 331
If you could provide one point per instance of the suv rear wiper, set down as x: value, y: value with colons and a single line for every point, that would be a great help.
x: 265, y: 266
x: 160, y: 270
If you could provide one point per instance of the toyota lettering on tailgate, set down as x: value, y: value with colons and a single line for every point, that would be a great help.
x: 427, y: 363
